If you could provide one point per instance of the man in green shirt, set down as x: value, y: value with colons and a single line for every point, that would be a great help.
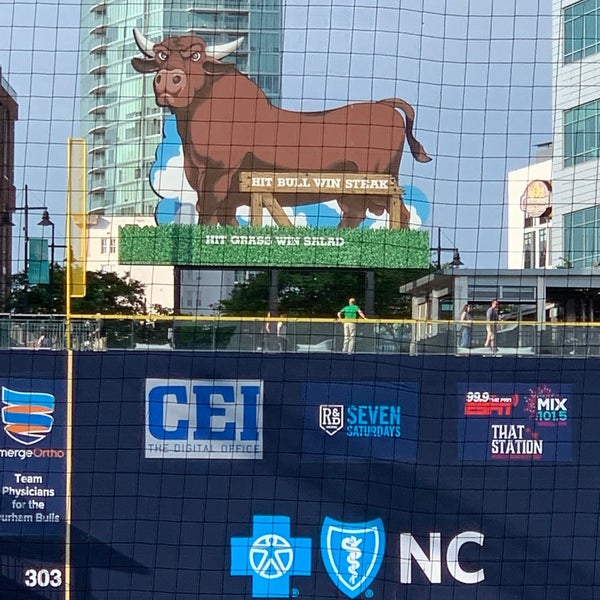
x: 350, y: 314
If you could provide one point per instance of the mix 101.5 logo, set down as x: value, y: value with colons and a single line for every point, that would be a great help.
x: 204, y: 419
x: 352, y: 554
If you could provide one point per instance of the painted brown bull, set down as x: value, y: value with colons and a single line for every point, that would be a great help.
x: 228, y: 125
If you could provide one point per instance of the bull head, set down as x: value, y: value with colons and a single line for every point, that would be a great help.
x: 217, y: 52
x: 181, y: 64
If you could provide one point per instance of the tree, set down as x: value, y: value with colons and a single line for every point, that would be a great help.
x: 107, y: 293
x: 320, y: 293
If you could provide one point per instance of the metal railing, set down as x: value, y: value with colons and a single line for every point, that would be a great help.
x: 254, y: 334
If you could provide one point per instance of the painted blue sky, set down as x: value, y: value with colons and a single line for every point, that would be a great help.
x: 477, y: 72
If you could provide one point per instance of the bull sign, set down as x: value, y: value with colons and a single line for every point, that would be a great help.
x: 228, y: 127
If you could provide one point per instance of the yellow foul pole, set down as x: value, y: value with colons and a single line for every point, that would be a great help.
x: 76, y: 236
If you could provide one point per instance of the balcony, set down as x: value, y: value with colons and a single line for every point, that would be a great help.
x: 97, y: 168
x: 98, y: 189
x: 99, y: 90
x: 99, y: 8
x: 98, y: 129
x: 98, y: 70
x: 100, y: 109
x: 235, y: 6
x: 99, y: 49
x: 100, y: 149
x: 99, y: 30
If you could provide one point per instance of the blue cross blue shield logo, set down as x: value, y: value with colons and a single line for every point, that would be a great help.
x: 270, y: 556
x: 352, y: 553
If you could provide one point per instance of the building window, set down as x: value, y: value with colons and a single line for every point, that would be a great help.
x: 582, y: 237
x: 108, y: 245
x: 528, y: 250
x: 543, y: 247
x: 582, y: 133
x: 581, y: 30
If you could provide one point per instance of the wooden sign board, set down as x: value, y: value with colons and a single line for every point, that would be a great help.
x: 263, y: 187
x: 323, y: 183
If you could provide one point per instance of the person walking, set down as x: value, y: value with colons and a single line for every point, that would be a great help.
x: 350, y: 314
x: 99, y: 335
x: 466, y: 326
x: 492, y: 317
x: 282, y: 334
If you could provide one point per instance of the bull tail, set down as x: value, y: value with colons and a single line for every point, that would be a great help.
x: 416, y: 148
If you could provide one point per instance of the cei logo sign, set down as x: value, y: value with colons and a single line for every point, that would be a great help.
x: 204, y: 419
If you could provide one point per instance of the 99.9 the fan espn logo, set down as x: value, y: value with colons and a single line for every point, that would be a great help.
x: 208, y: 419
x: 541, y: 405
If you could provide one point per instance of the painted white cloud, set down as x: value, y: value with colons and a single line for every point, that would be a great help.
x: 379, y: 221
x: 382, y: 221
x: 415, y: 220
x: 299, y: 220
x: 333, y: 205
x: 171, y: 182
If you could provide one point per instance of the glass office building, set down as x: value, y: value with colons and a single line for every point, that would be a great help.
x: 576, y: 147
x: 120, y: 119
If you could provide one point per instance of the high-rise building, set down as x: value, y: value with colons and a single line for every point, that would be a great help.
x: 8, y: 116
x: 123, y: 126
x: 576, y: 147
x: 120, y: 119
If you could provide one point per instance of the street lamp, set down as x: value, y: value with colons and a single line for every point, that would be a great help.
x: 26, y: 208
x: 45, y: 222
x: 456, y: 262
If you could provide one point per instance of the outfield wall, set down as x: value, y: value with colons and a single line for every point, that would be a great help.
x: 207, y: 475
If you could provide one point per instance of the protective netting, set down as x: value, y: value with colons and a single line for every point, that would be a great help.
x: 298, y: 299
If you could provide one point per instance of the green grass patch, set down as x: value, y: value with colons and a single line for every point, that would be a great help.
x: 216, y: 246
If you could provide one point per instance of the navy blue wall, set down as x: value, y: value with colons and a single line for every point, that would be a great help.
x: 162, y: 528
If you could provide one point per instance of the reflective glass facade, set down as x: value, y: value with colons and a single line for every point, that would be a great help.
x: 581, y: 30
x: 582, y: 237
x: 582, y: 133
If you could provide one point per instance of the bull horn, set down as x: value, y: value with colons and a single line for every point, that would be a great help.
x: 144, y: 44
x: 223, y: 50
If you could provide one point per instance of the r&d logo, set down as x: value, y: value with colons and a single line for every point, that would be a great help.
x: 352, y: 554
x: 204, y: 419
x: 361, y: 420
x: 331, y: 418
